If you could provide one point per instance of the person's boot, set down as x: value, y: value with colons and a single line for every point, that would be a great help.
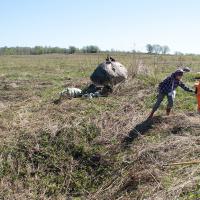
x: 151, y: 115
x: 168, y: 110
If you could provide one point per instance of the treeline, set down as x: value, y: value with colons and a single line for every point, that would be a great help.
x: 38, y: 50
x: 157, y: 49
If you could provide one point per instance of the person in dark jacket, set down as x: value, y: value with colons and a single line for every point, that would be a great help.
x: 168, y: 88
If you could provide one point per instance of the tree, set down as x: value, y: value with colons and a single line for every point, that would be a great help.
x: 149, y: 48
x: 165, y: 49
x: 38, y: 50
x: 72, y: 49
x: 91, y: 49
x: 157, y: 48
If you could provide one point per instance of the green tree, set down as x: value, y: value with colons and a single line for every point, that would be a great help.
x: 91, y: 49
x: 72, y: 49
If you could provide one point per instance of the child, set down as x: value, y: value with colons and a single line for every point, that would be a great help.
x: 167, y: 88
x: 197, y: 91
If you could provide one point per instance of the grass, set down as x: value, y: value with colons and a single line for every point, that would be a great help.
x: 46, y: 160
x: 74, y: 149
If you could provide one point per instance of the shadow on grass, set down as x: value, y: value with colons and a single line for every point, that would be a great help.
x: 140, y: 129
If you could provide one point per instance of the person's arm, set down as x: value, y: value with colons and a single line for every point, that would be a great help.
x: 183, y: 86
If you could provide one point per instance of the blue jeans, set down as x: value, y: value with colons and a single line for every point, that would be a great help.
x: 160, y: 98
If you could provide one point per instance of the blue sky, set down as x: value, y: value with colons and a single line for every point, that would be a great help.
x: 117, y: 24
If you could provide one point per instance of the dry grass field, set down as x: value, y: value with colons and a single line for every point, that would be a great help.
x: 101, y: 148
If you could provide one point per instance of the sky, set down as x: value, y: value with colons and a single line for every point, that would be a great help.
x: 109, y: 24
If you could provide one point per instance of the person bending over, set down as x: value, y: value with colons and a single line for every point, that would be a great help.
x: 168, y: 88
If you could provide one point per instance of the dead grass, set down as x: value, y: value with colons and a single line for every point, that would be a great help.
x: 123, y: 161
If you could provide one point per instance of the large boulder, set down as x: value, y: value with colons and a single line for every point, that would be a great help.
x: 109, y: 73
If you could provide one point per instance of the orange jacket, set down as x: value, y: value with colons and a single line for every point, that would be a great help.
x: 197, y: 87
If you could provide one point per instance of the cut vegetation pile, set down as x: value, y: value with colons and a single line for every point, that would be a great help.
x: 94, y: 149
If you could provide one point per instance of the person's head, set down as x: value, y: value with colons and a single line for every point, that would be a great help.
x: 178, y: 74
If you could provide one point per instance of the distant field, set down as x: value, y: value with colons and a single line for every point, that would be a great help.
x: 74, y: 149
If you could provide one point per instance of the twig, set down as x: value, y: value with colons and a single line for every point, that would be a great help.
x: 183, y: 163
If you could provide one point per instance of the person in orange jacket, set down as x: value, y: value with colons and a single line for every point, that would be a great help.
x: 197, y: 91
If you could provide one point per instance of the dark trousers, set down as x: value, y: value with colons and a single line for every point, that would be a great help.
x: 160, y: 98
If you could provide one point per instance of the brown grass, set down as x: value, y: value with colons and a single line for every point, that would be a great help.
x: 133, y: 149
